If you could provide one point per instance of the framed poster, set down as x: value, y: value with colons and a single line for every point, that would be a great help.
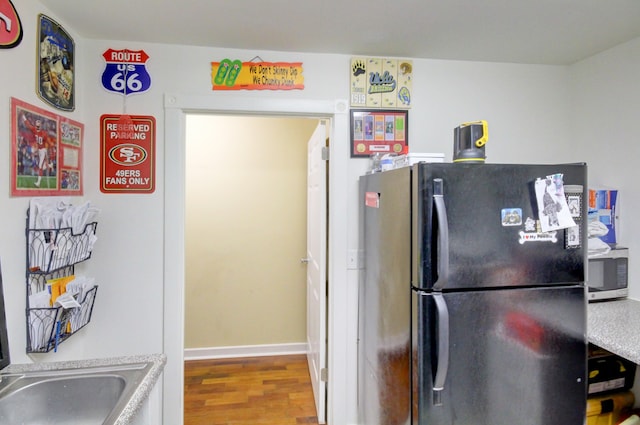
x: 55, y: 64
x: 46, y: 152
x: 378, y: 131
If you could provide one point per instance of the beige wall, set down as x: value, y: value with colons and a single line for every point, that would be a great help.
x: 245, y: 230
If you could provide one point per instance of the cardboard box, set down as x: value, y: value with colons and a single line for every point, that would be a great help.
x: 603, y: 206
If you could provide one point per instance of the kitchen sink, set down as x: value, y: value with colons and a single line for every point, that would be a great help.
x: 83, y: 396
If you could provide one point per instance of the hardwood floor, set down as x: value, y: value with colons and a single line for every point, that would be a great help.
x: 273, y: 390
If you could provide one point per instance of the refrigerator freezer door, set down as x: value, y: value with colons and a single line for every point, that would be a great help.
x: 475, y: 226
x: 515, y: 356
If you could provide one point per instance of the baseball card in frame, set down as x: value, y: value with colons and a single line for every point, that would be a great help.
x: 55, y: 64
x: 378, y: 131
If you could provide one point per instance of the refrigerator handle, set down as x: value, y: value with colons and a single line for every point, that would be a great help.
x: 443, y: 348
x: 443, y: 235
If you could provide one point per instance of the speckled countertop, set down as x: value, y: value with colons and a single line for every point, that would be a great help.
x: 615, y: 326
x: 139, y: 396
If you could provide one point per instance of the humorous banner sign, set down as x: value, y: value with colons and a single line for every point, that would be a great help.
x: 236, y: 75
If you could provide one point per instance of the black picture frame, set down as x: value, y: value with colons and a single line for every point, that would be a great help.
x: 378, y: 131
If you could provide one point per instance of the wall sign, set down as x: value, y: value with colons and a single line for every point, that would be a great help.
x: 127, y: 153
x: 237, y: 75
x: 56, y: 82
x: 46, y: 152
x: 378, y: 131
x: 126, y: 71
x: 381, y: 83
x: 10, y: 25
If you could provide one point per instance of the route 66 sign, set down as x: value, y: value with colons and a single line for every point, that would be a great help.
x: 126, y: 72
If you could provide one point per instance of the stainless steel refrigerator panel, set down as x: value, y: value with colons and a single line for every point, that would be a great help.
x: 512, y: 356
x: 476, y: 226
x: 384, y: 345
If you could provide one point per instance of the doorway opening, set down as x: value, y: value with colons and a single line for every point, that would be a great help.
x: 246, y: 250
x: 245, y: 235
x: 342, y: 386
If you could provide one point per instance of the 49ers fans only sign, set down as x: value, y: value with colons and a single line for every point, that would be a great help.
x: 127, y: 153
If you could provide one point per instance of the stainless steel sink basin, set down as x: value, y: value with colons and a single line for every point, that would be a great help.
x: 84, y: 396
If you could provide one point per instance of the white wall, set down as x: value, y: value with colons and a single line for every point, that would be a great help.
x: 530, y: 114
x: 605, y: 112
x: 18, y: 76
x: 245, y: 230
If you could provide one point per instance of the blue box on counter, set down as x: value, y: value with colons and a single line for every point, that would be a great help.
x: 603, y: 207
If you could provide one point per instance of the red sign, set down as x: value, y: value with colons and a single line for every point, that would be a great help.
x: 127, y: 151
x: 10, y: 25
x: 372, y: 199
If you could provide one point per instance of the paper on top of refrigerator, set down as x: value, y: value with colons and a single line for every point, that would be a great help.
x: 414, y: 158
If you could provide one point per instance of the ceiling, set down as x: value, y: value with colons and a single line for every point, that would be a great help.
x: 554, y: 32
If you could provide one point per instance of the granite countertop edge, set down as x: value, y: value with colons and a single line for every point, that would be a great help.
x: 615, y: 326
x: 139, y: 396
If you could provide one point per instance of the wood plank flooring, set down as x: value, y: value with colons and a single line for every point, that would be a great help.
x: 274, y: 390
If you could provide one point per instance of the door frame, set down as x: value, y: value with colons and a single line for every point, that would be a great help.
x: 176, y: 107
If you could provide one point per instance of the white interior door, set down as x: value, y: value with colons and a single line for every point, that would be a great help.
x: 316, y: 268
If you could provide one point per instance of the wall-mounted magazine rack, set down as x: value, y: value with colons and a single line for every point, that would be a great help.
x: 52, y: 254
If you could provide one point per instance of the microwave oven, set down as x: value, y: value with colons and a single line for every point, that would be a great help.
x: 607, y: 275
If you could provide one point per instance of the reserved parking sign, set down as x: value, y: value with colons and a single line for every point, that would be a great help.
x: 127, y: 153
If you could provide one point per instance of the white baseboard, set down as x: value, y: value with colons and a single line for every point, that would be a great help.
x: 244, y: 351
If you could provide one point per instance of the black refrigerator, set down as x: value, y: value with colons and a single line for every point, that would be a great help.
x: 472, y: 303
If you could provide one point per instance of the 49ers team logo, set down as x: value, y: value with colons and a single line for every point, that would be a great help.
x: 10, y: 25
x: 128, y: 154
x: 126, y: 72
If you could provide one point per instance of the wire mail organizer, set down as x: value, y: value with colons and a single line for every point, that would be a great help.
x: 51, y: 255
x: 48, y: 327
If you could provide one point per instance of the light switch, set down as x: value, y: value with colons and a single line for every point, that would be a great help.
x: 353, y: 259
